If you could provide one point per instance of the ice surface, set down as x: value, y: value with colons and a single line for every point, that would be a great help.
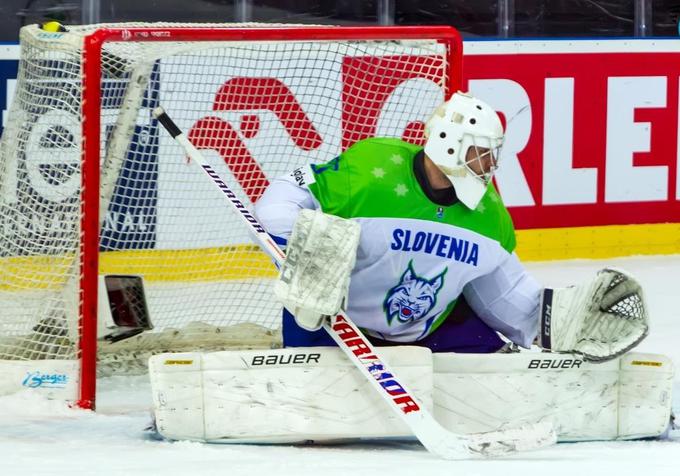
x: 46, y: 438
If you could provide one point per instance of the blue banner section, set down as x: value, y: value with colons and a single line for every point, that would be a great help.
x: 130, y: 222
x: 8, y: 75
x: 40, y: 211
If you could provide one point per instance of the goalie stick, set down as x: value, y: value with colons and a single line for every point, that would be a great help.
x: 361, y: 352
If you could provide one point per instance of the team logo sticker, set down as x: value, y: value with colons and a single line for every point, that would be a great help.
x: 413, y: 297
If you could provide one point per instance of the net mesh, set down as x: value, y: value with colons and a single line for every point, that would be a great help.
x: 256, y: 109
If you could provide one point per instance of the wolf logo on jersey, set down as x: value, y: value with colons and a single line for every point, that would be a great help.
x: 413, y: 297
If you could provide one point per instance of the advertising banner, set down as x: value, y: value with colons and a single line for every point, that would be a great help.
x: 590, y: 165
x: 592, y: 138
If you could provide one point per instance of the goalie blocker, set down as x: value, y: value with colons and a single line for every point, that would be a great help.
x: 314, y: 278
x: 315, y: 394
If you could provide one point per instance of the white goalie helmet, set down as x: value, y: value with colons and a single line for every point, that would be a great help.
x: 464, y: 137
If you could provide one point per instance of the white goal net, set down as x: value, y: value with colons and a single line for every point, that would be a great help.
x: 91, y: 185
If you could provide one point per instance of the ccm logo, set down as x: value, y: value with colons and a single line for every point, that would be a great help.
x: 285, y: 359
x: 555, y: 364
x: 547, y: 315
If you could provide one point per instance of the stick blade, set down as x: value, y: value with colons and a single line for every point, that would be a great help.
x: 527, y: 437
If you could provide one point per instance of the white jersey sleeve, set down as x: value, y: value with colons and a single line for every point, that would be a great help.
x: 278, y: 208
x: 507, y: 299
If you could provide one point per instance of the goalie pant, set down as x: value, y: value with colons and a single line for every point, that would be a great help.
x: 461, y: 332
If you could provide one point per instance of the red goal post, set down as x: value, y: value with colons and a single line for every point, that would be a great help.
x: 297, y: 93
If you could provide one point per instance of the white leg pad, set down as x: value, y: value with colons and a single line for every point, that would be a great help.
x: 279, y: 396
x: 628, y: 397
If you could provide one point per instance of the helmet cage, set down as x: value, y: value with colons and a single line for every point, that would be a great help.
x: 481, y: 158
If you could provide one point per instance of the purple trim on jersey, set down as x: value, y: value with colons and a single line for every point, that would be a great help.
x: 296, y: 336
x: 462, y: 331
x: 278, y: 240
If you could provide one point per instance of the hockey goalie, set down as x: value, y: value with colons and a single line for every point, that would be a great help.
x: 415, y: 244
